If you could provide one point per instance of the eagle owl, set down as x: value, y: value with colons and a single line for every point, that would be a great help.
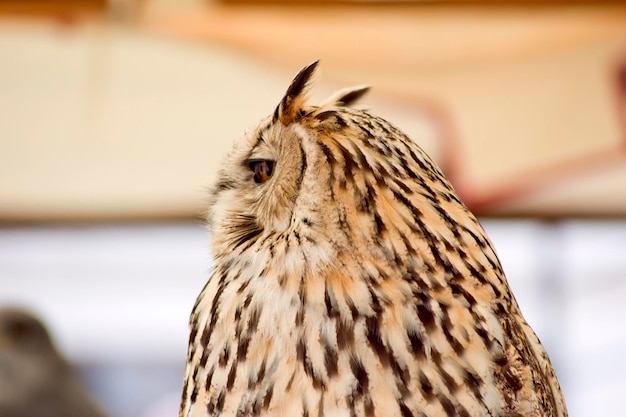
x: 350, y: 280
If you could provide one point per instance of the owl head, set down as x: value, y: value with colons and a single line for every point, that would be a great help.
x: 327, y: 179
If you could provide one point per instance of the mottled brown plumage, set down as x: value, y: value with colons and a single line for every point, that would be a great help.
x: 350, y: 280
x: 35, y: 380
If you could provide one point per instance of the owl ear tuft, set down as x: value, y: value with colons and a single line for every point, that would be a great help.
x: 347, y: 96
x: 295, y: 97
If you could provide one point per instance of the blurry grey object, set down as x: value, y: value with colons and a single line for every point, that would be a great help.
x: 35, y: 380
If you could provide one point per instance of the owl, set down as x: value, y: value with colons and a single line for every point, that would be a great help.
x: 35, y: 380
x: 350, y: 280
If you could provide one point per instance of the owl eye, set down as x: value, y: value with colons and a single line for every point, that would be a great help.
x: 262, y: 169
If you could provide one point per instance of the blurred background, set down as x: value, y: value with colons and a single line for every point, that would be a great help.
x: 114, y: 115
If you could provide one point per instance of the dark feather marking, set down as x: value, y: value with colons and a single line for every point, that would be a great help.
x: 371, y: 196
x: 363, y: 203
x: 361, y: 159
x: 458, y: 290
x: 397, y: 173
x: 462, y: 254
x: 330, y: 158
x: 388, y: 152
x: 331, y: 310
x: 303, y: 166
x: 417, y: 213
x: 474, y: 272
x: 368, y: 135
x: 478, y: 240
x: 436, y: 357
x: 204, y: 357
x: 480, y: 331
x: 243, y: 230
x: 450, y: 196
x: 302, y: 296
x: 302, y: 355
x: 194, y: 394
x: 417, y: 344
x: 403, y: 389
x: 375, y: 302
x: 360, y: 374
x: 380, y: 227
x: 513, y: 381
x: 330, y: 116
x: 345, y: 334
x: 290, y: 382
x: 267, y: 399
x: 209, y: 379
x: 406, y: 412
x: 231, y: 376
x: 256, y: 407
x: 403, y: 373
x: 426, y: 316
x: 448, y: 246
x: 414, y: 156
x: 192, y: 337
x: 247, y: 301
x: 224, y: 355
x: 253, y: 379
x: 368, y: 405
x: 349, y: 163
x: 330, y: 360
x: 299, y: 316
x: 405, y: 165
x: 375, y: 341
x: 206, y: 334
x: 426, y: 387
x: 447, y: 405
x: 405, y: 188
x: 409, y: 248
x: 483, y: 244
x: 392, y: 257
x: 253, y: 321
x: 448, y: 381
x: 446, y: 325
x: 474, y: 382
x: 184, y: 396
x: 242, y: 347
x: 426, y: 170
x: 463, y: 412
x: 243, y: 286
x: 385, y: 357
x: 354, y: 312
x: 219, y: 406
x: 453, y: 224
x: 350, y: 401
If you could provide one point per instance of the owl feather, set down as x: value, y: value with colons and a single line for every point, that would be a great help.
x: 350, y: 280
